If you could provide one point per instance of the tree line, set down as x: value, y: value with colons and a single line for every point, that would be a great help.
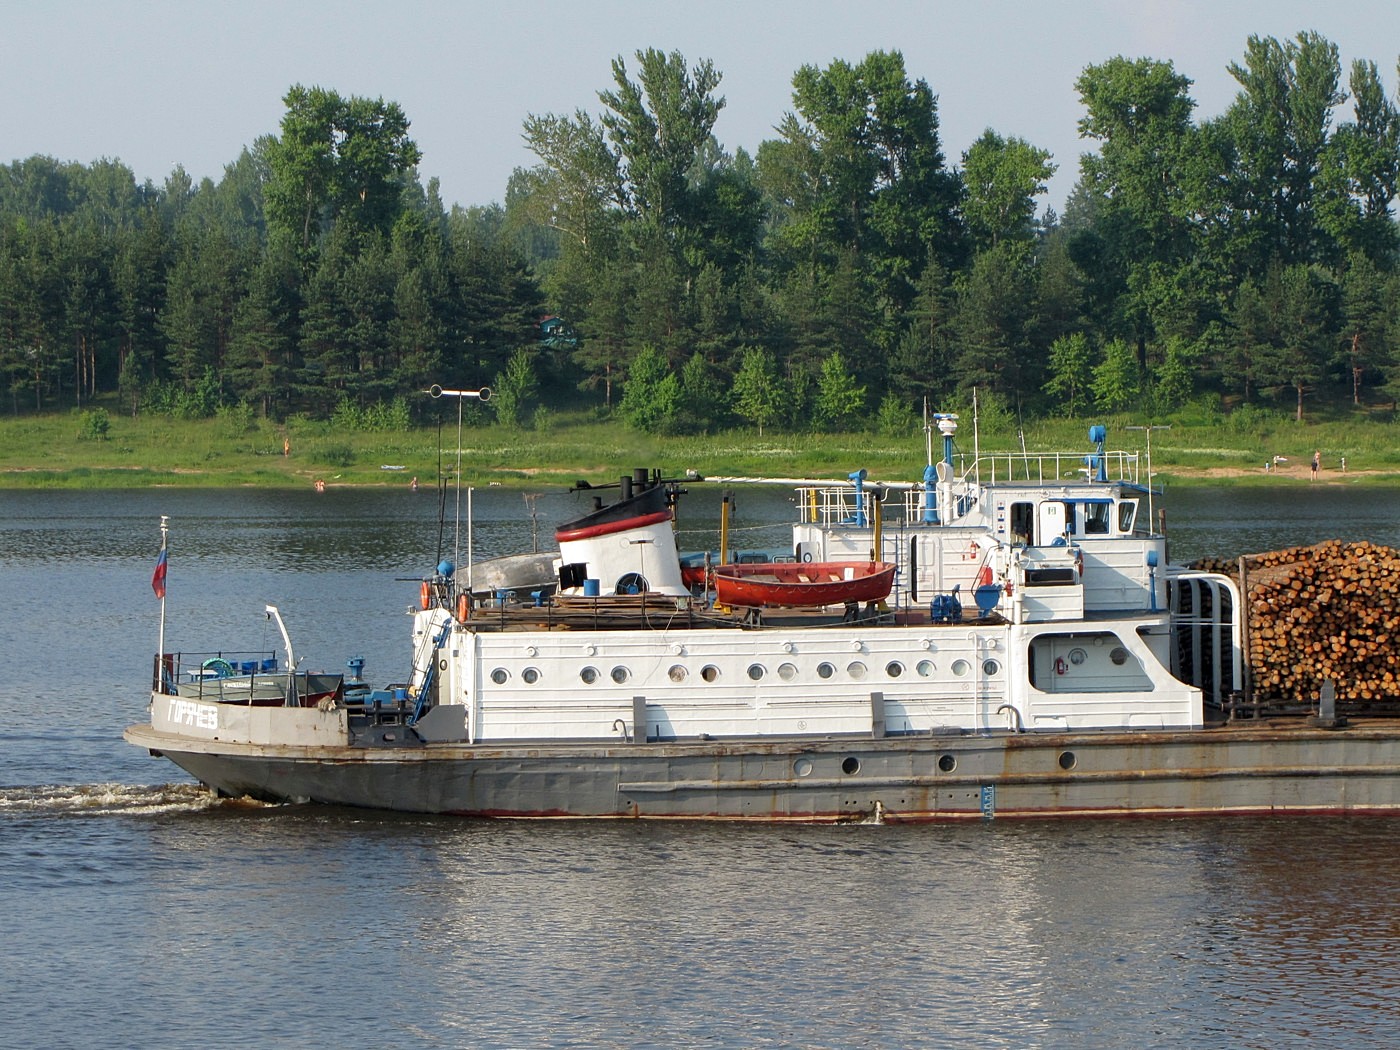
x: 837, y: 277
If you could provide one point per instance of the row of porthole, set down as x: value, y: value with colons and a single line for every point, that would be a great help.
x: 756, y: 672
x: 850, y: 765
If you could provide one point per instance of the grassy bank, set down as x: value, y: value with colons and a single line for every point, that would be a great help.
x: 63, y: 451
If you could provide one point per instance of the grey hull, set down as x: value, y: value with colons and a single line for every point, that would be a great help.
x: 1297, y: 769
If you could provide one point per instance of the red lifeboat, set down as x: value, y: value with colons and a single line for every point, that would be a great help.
x: 805, y: 584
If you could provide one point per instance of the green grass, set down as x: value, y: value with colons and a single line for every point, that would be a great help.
x: 54, y: 451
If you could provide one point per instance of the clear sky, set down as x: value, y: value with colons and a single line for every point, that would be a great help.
x: 161, y: 83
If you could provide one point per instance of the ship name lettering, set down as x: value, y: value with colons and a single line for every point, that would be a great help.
x: 186, y: 712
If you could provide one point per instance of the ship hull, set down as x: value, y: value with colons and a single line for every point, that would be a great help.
x: 1215, y: 771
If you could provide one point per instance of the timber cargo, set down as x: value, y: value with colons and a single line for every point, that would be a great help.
x: 1329, y: 612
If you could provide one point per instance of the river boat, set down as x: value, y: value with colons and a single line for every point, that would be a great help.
x: 812, y: 585
x: 1092, y: 679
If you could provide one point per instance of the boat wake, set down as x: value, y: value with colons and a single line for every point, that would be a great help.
x: 106, y: 799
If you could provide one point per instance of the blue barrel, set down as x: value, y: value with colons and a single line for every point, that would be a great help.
x: 591, y: 588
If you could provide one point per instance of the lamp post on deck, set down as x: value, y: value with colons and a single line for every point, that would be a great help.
x: 1151, y: 521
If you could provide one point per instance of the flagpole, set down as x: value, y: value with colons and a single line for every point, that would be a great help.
x: 160, y: 651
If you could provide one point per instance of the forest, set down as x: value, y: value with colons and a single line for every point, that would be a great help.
x: 839, y: 277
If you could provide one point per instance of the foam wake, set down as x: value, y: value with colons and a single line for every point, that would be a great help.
x: 107, y: 799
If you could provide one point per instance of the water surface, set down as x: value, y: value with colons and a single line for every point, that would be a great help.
x: 141, y: 912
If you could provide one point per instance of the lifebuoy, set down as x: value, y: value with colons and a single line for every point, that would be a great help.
x: 218, y: 667
x: 425, y: 594
x: 464, y: 606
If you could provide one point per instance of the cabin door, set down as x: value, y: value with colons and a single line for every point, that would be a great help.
x: 1051, y: 521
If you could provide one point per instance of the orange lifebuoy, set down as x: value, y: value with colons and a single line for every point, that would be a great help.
x: 464, y: 606
x: 425, y: 594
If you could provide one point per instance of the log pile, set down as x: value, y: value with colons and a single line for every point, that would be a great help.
x: 1330, y: 611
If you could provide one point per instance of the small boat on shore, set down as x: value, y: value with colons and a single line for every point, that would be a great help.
x: 810, y: 585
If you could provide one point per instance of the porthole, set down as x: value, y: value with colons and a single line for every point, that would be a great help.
x: 589, y: 675
x: 1118, y: 655
x: 961, y: 667
x: 894, y: 668
x: 802, y: 767
x: 500, y: 675
x: 990, y: 667
x: 757, y: 671
x: 925, y: 668
x: 620, y: 674
x: 856, y: 669
x: 947, y: 763
x: 1077, y: 656
x: 677, y: 673
x: 825, y: 670
x: 850, y: 765
x: 710, y: 673
x: 1067, y: 760
x: 787, y: 672
x: 530, y: 675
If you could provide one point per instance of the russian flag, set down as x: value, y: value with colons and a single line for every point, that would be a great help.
x: 158, y: 577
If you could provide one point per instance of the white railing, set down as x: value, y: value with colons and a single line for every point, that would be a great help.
x: 1040, y: 468
x: 838, y: 504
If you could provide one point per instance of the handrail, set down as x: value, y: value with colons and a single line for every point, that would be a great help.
x: 838, y: 503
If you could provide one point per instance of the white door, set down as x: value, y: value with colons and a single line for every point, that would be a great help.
x: 1050, y: 522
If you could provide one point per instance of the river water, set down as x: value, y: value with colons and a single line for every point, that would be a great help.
x: 139, y: 912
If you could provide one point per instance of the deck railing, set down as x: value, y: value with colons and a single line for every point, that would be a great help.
x: 841, y: 505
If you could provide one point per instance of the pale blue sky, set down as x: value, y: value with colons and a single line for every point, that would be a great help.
x: 159, y: 83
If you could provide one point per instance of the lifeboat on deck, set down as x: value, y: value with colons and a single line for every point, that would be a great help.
x: 805, y: 584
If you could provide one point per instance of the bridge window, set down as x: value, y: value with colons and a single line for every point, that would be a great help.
x: 1097, y: 517
x: 1127, y: 514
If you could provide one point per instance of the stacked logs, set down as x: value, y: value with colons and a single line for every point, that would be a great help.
x: 1328, y: 611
